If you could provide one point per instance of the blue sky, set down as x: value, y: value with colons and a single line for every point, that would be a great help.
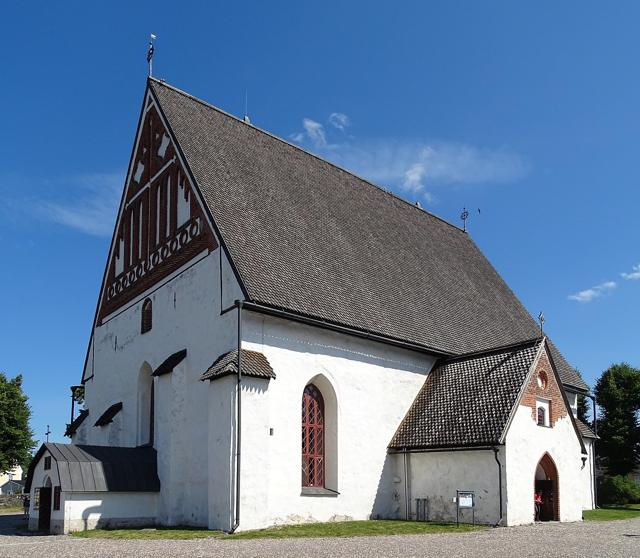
x: 528, y: 111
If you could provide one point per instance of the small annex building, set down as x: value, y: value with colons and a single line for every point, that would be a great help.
x: 277, y: 341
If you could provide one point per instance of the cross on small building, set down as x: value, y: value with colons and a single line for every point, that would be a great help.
x: 48, y: 432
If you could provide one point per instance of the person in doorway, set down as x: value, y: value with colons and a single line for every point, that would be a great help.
x: 26, y: 504
x: 537, y: 500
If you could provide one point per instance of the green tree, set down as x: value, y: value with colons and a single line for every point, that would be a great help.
x: 618, y: 396
x: 583, y: 405
x: 16, y: 438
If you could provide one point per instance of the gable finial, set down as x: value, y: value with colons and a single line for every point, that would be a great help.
x: 150, y: 50
x: 47, y: 432
x: 464, y: 216
x: 541, y: 320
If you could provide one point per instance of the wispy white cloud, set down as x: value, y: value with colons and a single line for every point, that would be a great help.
x: 91, y: 206
x: 634, y: 274
x: 315, y: 132
x: 594, y: 292
x: 415, y: 167
x: 339, y: 120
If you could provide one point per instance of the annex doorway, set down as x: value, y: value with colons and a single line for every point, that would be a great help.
x: 44, y: 508
x: 546, y: 493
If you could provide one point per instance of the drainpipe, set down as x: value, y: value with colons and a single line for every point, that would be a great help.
x: 407, y: 501
x: 593, y: 452
x: 495, y: 455
x: 239, y: 417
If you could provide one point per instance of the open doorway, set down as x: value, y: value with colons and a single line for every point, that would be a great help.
x: 546, y: 495
x: 44, y: 508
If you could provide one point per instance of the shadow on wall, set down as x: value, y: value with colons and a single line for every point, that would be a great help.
x: 388, y: 503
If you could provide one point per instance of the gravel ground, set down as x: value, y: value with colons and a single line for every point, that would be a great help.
x: 615, y: 539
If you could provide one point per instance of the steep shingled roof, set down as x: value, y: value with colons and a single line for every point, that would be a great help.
x: 314, y: 239
x: 467, y: 401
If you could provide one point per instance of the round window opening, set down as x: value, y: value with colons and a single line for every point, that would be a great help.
x: 542, y: 380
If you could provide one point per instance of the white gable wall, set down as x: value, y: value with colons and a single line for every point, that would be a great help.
x: 186, y: 314
x: 374, y: 384
x: 526, y: 443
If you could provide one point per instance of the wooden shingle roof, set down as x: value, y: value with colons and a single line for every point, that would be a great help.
x: 311, y: 238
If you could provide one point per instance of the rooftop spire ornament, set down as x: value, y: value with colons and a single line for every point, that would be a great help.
x: 150, y: 50
x: 47, y: 432
x: 541, y: 320
x: 464, y: 216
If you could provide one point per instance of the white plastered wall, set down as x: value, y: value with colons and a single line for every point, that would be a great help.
x: 186, y: 314
x: 526, y: 444
x: 39, y: 479
x: 374, y: 385
x: 437, y: 476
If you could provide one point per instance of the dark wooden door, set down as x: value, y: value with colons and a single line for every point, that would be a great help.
x: 44, y: 511
x: 547, y: 509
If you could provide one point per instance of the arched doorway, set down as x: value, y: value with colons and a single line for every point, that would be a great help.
x: 547, y: 490
x: 44, y: 507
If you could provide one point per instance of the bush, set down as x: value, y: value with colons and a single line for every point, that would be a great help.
x: 618, y: 490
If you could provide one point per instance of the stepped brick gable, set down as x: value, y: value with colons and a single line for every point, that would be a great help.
x: 162, y: 225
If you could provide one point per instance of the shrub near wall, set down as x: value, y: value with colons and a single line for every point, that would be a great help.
x: 618, y: 490
x: 10, y: 501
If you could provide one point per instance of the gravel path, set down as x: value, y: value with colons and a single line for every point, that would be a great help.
x: 615, y: 539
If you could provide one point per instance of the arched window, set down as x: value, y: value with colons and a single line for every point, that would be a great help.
x: 542, y: 416
x: 312, y: 437
x: 146, y: 321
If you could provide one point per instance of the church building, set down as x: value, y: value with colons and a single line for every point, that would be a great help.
x: 279, y: 341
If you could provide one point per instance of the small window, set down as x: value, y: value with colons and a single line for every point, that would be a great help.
x: 146, y: 322
x: 36, y: 499
x: 543, y: 380
x: 542, y: 416
x: 47, y: 463
x: 56, y: 497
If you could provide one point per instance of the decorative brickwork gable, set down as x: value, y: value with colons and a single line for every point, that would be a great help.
x: 162, y: 225
x: 551, y: 391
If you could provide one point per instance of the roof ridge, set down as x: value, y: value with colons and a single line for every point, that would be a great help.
x: 493, y: 350
x: 303, y: 150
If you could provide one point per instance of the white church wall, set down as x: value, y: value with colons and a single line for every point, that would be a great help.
x: 221, y: 417
x: 526, y: 444
x: 374, y: 384
x: 186, y: 314
x: 588, y: 494
x: 436, y: 476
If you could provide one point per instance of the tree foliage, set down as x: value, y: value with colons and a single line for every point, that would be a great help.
x: 618, y: 396
x: 16, y: 438
x: 583, y: 405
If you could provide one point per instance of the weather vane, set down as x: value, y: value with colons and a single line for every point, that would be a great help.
x: 150, y: 50
x: 541, y: 320
x: 464, y: 216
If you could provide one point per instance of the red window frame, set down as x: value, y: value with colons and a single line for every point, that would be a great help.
x: 312, y: 437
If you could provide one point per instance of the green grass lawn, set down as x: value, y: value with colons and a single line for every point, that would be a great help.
x: 307, y: 530
x: 612, y: 513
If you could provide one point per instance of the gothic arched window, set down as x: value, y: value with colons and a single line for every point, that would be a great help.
x: 146, y: 321
x: 312, y: 437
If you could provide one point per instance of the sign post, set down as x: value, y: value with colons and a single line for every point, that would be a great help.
x: 465, y: 499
